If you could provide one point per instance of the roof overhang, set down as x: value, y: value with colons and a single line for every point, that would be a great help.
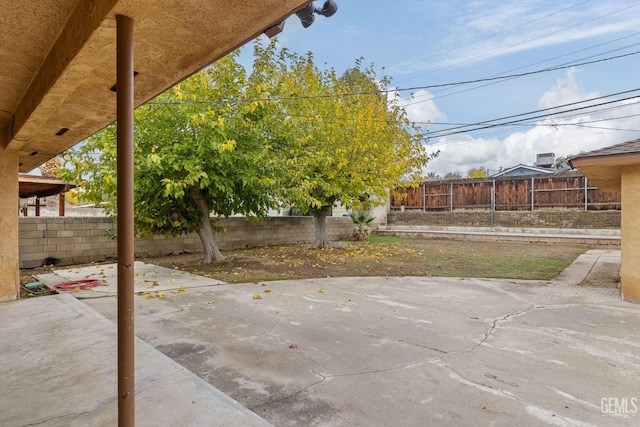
x: 57, y: 59
x: 41, y: 186
x: 605, y: 171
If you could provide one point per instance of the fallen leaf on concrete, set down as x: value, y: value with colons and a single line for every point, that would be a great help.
x: 256, y: 296
x: 266, y: 291
x: 209, y: 302
x: 321, y: 291
x: 293, y: 346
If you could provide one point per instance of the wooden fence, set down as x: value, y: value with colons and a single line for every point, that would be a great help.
x: 508, y: 193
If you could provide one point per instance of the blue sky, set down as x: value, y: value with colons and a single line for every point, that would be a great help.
x: 423, y: 43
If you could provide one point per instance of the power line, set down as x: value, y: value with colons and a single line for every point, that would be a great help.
x: 545, y: 109
x: 510, y: 77
x: 487, y: 37
x: 413, y: 88
x: 447, y: 132
x: 530, y: 40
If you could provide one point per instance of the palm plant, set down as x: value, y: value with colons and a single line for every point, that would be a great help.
x: 362, y: 221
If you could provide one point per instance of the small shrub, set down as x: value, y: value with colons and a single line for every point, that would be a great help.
x: 362, y: 221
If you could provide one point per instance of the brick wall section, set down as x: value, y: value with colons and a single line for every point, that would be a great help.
x: 575, y: 219
x: 77, y: 240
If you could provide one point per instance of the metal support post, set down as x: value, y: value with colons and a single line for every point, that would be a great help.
x: 586, y: 193
x: 126, y: 333
x: 451, y: 196
x: 533, y: 194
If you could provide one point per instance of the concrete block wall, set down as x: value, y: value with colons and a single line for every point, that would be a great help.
x: 549, y: 218
x: 77, y: 240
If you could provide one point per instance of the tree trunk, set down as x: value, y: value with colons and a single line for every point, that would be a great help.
x: 322, y: 240
x: 206, y: 233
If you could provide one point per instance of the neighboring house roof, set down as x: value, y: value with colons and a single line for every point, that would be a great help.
x: 623, y: 149
x: 604, y: 166
x: 521, y: 169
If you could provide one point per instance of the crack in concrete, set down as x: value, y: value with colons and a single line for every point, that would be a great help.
x: 290, y: 395
x: 104, y: 403
x: 141, y: 384
x: 73, y: 414
x: 275, y: 325
x: 439, y: 361
x: 496, y: 323
x: 423, y: 346
x: 507, y: 394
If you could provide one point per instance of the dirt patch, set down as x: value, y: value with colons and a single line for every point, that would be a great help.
x: 29, y: 284
x: 383, y: 257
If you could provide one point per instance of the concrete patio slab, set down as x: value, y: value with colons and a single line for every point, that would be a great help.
x: 58, y: 368
x: 149, y: 279
x: 409, y: 351
x: 398, y: 351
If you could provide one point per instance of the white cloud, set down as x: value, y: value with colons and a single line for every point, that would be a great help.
x: 568, y: 136
x: 565, y: 91
x: 425, y: 110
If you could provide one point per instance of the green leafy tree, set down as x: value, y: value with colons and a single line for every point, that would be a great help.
x: 209, y: 144
x: 349, y: 149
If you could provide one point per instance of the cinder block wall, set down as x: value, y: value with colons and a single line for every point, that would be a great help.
x: 576, y: 219
x: 77, y: 240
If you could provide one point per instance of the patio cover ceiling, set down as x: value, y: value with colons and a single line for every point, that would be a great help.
x: 57, y: 59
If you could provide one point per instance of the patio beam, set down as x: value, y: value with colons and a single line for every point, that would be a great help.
x: 126, y: 333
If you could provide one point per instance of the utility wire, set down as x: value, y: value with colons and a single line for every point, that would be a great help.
x: 530, y: 40
x: 487, y: 37
x: 413, y: 88
x: 513, y: 76
x: 448, y: 132
x: 547, y: 109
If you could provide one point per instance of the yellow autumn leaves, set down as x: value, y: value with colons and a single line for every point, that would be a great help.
x: 159, y: 294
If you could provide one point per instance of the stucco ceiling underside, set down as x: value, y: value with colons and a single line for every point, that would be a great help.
x: 606, y: 178
x: 58, y: 59
x: 605, y: 171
